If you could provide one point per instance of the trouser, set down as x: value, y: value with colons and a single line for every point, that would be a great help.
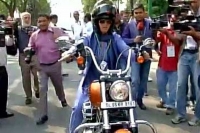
x: 190, y: 90
x: 187, y: 65
x: 164, y: 78
x: 26, y: 70
x: 54, y: 73
x: 76, y: 115
x: 139, y: 77
x: 3, y: 89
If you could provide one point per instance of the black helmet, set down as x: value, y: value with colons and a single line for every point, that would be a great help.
x: 104, y: 9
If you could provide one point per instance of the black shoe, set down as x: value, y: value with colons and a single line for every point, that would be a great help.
x: 64, y: 103
x: 142, y: 106
x: 42, y: 120
x: 6, y: 115
x: 65, y: 75
x: 28, y: 101
x: 37, y: 94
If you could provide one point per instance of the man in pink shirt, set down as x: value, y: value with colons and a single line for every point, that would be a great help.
x: 47, y: 51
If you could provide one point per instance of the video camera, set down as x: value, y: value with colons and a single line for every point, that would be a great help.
x: 183, y: 17
x: 5, y: 29
x: 189, y: 21
x: 159, y: 21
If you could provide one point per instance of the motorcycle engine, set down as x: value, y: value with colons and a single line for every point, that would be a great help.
x: 89, y: 113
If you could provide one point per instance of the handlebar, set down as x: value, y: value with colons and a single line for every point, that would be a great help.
x: 79, y: 46
x: 131, y: 48
x: 107, y: 72
x: 139, y: 122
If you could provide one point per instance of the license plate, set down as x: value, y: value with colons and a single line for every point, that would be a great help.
x: 126, y: 104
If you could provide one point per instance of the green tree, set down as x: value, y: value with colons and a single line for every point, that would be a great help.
x: 3, y: 9
x: 36, y: 7
x: 11, y: 5
x: 159, y: 6
x: 89, y: 4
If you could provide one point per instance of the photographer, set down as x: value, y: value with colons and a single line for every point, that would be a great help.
x: 187, y: 64
x: 195, y: 8
x: 167, y: 68
x: 6, y: 47
x: 23, y: 34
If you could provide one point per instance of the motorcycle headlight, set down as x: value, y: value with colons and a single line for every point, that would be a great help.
x: 119, y: 90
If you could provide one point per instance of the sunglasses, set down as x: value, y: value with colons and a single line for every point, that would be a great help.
x: 103, y: 21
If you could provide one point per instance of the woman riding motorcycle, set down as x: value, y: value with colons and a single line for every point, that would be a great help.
x: 106, y: 46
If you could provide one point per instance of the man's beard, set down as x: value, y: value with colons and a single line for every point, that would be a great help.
x: 25, y: 24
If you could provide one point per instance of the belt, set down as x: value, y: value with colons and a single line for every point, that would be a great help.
x: 2, y: 69
x: 48, y: 64
x: 193, y: 51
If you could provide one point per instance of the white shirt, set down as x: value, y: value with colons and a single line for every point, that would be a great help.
x: 88, y: 29
x: 3, y: 52
x: 52, y: 24
x: 190, y: 43
x: 77, y: 29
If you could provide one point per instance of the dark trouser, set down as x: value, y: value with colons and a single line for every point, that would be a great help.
x: 139, y: 77
x: 54, y: 73
x: 3, y: 89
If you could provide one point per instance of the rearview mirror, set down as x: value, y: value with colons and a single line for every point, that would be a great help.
x: 64, y: 42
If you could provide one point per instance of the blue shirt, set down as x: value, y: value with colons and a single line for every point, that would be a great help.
x: 117, y: 46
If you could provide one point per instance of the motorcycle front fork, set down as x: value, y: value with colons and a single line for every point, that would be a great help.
x: 106, y: 125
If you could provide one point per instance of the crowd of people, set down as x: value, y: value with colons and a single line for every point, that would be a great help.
x: 178, y: 62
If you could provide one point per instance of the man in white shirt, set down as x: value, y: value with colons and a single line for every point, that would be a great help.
x: 77, y: 29
x: 54, y: 20
x: 88, y: 29
x: 8, y: 41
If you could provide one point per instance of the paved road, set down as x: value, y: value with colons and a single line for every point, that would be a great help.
x: 25, y: 116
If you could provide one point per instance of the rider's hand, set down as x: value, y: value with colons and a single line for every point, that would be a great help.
x: 138, y: 39
x: 65, y: 57
x: 146, y: 55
